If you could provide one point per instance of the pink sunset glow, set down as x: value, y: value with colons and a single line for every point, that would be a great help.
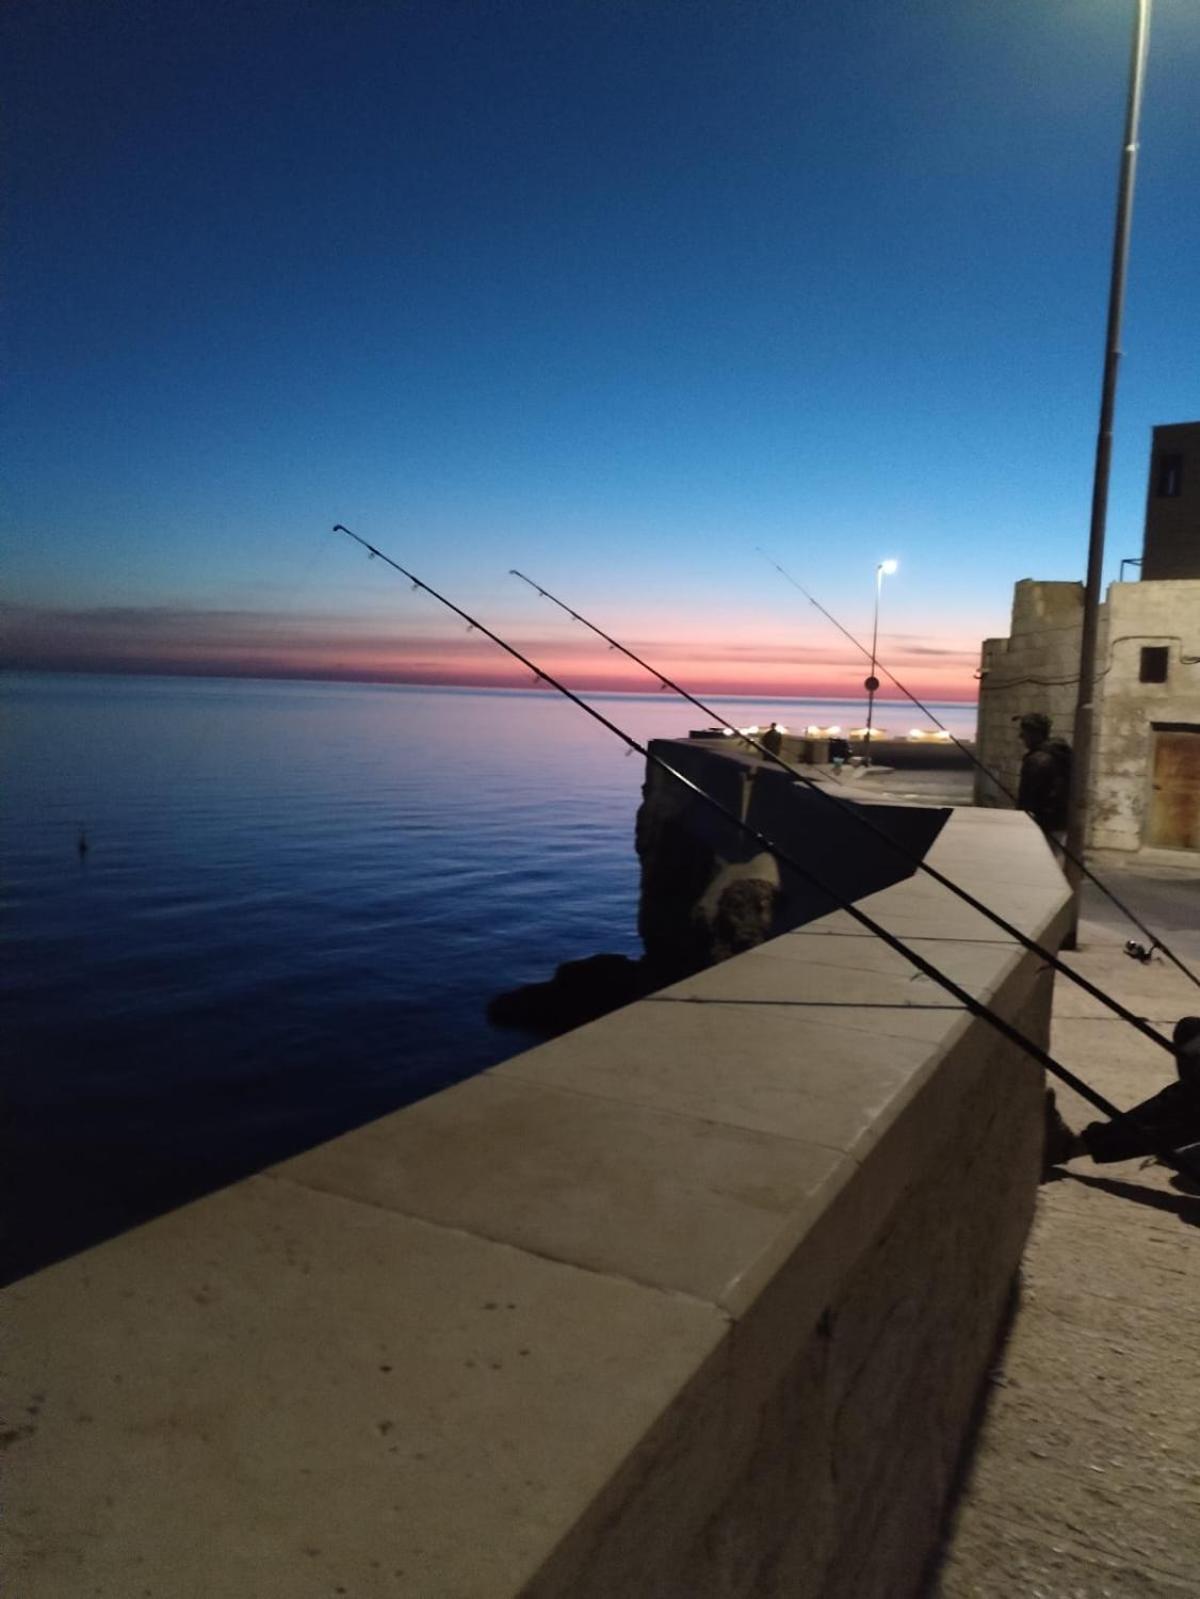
x: 252, y: 644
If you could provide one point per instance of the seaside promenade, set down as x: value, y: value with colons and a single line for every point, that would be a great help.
x: 1085, y: 1481
x: 646, y: 1312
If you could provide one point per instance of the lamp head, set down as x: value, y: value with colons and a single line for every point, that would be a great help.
x: 888, y: 567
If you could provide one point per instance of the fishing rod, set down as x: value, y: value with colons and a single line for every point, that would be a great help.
x: 860, y: 815
x: 1155, y: 941
x: 975, y: 1007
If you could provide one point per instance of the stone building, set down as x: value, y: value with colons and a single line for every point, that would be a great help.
x: 1172, y: 547
x: 1146, y: 764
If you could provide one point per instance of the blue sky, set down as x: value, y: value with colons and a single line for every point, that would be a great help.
x: 613, y: 292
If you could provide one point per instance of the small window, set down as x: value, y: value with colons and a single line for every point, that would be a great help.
x: 1154, y: 664
x: 1168, y: 477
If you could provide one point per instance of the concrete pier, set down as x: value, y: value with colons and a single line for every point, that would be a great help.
x: 1086, y: 1477
x: 693, y: 1301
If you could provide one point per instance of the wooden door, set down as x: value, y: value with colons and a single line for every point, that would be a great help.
x: 1174, y: 821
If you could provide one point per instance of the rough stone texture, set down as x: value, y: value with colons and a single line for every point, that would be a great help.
x: 1085, y: 1479
x: 692, y: 1303
x: 849, y: 1406
x: 681, y: 844
x: 1166, y: 614
x: 579, y: 992
x: 709, y: 890
x: 745, y: 914
x: 274, y: 1392
x: 1037, y: 669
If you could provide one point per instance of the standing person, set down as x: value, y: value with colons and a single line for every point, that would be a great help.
x: 1045, y: 786
x: 772, y: 739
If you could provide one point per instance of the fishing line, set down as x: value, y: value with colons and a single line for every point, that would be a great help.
x: 864, y: 820
x: 966, y: 750
x: 974, y: 1006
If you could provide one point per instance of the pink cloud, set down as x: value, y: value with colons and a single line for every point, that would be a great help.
x: 172, y: 639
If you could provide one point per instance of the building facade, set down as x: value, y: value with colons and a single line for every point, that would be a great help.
x: 1145, y: 789
x: 1171, y: 547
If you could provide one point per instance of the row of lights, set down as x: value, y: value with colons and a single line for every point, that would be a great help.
x: 914, y: 734
x: 883, y: 569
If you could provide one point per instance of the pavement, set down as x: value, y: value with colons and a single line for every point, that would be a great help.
x: 1162, y: 888
x: 1085, y: 1477
x: 913, y: 785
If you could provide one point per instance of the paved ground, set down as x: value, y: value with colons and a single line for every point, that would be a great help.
x: 1162, y: 889
x: 914, y: 785
x: 1086, y: 1478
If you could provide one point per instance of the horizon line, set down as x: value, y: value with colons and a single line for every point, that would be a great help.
x: 380, y: 680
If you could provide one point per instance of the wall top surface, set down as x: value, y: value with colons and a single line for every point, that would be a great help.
x: 452, y: 1326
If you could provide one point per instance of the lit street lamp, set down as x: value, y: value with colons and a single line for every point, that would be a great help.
x: 884, y: 569
x: 1084, y: 705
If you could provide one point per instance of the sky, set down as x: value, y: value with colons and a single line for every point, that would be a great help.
x: 621, y: 294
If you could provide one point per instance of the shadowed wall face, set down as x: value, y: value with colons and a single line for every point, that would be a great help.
x: 710, y: 891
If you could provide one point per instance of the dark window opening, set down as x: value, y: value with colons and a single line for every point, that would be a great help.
x: 1154, y: 664
x: 1168, y: 477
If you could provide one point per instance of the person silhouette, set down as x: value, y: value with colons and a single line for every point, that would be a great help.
x: 1044, y: 789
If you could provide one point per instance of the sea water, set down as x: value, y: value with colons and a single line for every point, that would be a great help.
x: 295, y: 902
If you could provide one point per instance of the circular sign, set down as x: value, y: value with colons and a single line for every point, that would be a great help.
x: 871, y: 684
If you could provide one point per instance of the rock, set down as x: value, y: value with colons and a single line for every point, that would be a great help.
x: 745, y: 916
x: 579, y: 992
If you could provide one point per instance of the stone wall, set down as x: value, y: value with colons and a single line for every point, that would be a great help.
x: 1035, y: 669
x: 709, y: 891
x: 1171, y: 548
x: 691, y: 1303
x: 1166, y: 614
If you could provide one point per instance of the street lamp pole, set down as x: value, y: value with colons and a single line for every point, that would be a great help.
x: 1085, y: 701
x: 872, y: 683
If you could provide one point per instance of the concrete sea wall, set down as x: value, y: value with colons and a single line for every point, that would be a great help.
x: 709, y: 890
x: 694, y: 1301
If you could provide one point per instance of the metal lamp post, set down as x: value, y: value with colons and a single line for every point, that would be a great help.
x: 884, y: 569
x: 1084, y: 704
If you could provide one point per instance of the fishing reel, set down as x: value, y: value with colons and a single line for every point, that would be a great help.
x: 1139, y: 952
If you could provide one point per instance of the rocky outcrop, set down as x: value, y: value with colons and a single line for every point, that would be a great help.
x: 709, y: 890
x: 579, y: 992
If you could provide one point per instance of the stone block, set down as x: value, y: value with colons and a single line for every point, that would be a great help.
x: 280, y: 1393
x: 720, y: 1195
x: 692, y: 1303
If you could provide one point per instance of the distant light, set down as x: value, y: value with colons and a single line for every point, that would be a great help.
x: 779, y: 727
x: 888, y: 567
x: 727, y: 732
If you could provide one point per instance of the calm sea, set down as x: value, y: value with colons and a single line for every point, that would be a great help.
x: 295, y: 904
